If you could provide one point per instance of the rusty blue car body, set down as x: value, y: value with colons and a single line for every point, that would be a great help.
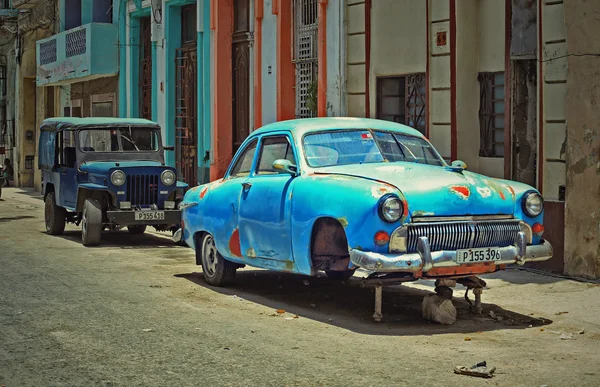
x: 336, y: 194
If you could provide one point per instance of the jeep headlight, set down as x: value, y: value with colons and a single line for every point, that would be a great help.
x: 167, y: 177
x: 391, y: 208
x: 533, y: 204
x: 117, y: 178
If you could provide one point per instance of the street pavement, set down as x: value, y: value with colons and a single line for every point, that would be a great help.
x: 136, y: 312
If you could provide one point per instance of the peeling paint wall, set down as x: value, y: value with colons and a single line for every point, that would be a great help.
x: 582, y: 217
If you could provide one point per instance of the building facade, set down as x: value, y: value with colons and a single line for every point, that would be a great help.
x: 165, y: 53
x: 8, y: 67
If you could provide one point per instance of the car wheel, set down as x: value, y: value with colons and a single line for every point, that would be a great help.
x: 339, y: 275
x: 138, y: 229
x: 55, y: 217
x: 216, y: 269
x: 91, y: 223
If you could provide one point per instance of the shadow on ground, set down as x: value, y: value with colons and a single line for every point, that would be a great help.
x: 11, y: 218
x: 124, y: 240
x: 348, y: 305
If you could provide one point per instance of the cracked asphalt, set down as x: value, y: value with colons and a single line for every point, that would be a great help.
x: 136, y: 312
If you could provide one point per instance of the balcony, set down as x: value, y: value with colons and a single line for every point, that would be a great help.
x: 77, y: 55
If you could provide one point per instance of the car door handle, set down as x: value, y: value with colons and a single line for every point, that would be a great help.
x: 246, y: 186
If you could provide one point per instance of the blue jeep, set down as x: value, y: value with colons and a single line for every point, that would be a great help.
x: 107, y: 173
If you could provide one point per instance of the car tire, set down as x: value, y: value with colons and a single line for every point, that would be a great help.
x: 91, y: 223
x: 137, y: 229
x: 339, y: 275
x: 55, y: 217
x: 216, y: 269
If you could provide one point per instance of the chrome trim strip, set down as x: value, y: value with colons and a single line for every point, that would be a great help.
x: 427, y: 219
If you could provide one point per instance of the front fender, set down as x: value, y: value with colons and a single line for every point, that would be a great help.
x: 352, y: 201
x: 87, y: 190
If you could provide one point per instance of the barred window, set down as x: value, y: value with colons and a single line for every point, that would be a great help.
x: 491, y: 114
x: 403, y: 100
x: 3, y: 81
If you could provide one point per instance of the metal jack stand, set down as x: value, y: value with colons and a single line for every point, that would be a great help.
x: 477, y: 284
x: 377, y: 316
x: 378, y: 281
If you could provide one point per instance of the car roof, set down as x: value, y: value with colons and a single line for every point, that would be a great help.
x: 302, y: 126
x: 69, y: 123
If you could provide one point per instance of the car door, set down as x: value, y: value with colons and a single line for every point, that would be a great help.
x: 67, y: 169
x: 223, y: 209
x: 265, y: 204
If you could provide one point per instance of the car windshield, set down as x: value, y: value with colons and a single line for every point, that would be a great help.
x: 367, y: 146
x: 125, y: 139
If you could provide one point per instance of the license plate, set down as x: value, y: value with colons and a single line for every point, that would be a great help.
x: 486, y: 254
x: 149, y: 215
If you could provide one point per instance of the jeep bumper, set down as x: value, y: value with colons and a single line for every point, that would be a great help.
x: 425, y: 260
x: 131, y: 218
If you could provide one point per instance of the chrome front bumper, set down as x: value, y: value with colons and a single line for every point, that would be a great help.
x: 424, y: 259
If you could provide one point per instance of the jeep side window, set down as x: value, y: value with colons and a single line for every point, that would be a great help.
x: 67, y: 156
x: 244, y: 162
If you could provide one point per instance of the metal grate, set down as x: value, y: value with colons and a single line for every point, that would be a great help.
x: 306, y: 56
x: 76, y: 43
x: 48, y: 52
x: 464, y: 235
x: 142, y: 190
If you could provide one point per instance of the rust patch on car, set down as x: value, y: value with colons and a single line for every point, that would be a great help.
x: 251, y: 253
x: 480, y: 268
x: 461, y: 190
x: 343, y: 221
x: 234, y: 244
x: 203, y: 192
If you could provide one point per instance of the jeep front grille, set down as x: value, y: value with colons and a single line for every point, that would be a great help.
x: 142, y: 190
x: 463, y: 235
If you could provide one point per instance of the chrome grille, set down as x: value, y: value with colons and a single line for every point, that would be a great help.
x: 463, y: 235
x: 142, y: 190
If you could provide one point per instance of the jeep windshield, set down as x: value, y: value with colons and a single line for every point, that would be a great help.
x: 126, y: 139
x: 345, y: 147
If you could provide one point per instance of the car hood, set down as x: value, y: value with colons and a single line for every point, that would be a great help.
x: 437, y: 191
x: 105, y: 166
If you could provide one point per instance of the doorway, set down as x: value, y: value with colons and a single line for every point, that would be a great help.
x: 145, y: 70
x: 241, y: 72
x: 186, y: 99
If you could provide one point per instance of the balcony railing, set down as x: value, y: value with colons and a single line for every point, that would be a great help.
x: 83, y: 53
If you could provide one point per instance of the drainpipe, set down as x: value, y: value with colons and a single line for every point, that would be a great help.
x: 367, y: 58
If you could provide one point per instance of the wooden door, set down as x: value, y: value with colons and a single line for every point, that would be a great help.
x: 241, y: 72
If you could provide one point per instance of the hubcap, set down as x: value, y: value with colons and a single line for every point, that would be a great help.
x: 209, y: 256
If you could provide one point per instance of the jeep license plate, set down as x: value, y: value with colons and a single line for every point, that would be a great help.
x: 149, y: 215
x: 486, y: 254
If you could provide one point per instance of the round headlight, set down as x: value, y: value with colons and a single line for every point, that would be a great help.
x: 391, y: 209
x: 167, y: 177
x: 117, y: 178
x: 533, y: 204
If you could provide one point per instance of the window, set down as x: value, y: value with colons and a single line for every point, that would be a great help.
x: 243, y: 164
x: 102, y: 11
x: 306, y: 59
x: 364, y: 146
x: 274, y: 148
x: 402, y: 99
x: 72, y: 14
x: 491, y: 114
x: 4, y: 4
x: 3, y: 81
x: 118, y: 140
x: 188, y: 24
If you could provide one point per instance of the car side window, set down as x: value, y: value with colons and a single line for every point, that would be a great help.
x: 243, y: 165
x: 274, y: 148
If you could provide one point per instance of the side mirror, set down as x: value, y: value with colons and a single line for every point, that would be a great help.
x: 169, y: 148
x: 458, y: 166
x: 285, y: 166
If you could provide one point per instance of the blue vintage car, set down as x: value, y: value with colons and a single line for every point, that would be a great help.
x: 337, y: 194
x: 106, y: 173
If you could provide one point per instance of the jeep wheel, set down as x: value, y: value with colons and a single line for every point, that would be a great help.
x: 54, y: 216
x: 91, y: 223
x: 339, y: 275
x: 217, y: 271
x: 138, y: 229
